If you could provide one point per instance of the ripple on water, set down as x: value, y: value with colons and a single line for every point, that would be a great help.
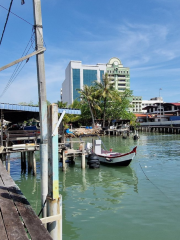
x: 119, y: 203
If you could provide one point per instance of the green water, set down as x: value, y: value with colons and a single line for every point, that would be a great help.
x: 138, y: 202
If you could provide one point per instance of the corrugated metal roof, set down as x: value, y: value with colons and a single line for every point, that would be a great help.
x: 16, y: 107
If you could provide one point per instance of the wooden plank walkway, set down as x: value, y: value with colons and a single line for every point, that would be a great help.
x: 17, y: 218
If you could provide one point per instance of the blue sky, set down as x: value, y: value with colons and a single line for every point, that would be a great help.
x: 144, y: 35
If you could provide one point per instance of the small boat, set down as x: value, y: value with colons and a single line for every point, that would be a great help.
x: 112, y: 158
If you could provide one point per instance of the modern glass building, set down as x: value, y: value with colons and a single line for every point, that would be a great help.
x: 77, y: 75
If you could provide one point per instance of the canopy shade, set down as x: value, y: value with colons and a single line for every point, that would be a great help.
x: 19, y: 113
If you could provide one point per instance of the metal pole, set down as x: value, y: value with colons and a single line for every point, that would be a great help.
x: 2, y: 117
x: 54, y: 200
x: 42, y: 103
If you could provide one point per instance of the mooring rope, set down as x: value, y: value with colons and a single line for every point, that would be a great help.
x: 156, y: 186
x: 42, y: 208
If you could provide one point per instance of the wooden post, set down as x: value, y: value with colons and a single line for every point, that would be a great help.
x: 4, y: 159
x: 23, y: 162
x: 54, y: 200
x: 63, y: 160
x: 70, y: 142
x: 8, y: 163
x: 34, y: 163
x: 83, y: 163
x: 29, y: 160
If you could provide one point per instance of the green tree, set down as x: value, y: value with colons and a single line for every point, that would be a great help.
x: 88, y: 95
x: 61, y: 104
x: 106, y: 94
x: 29, y: 104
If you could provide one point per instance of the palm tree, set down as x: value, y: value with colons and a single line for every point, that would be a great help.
x: 61, y: 104
x: 107, y: 92
x: 87, y: 95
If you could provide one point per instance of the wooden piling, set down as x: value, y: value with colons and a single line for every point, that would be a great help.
x: 4, y: 159
x: 34, y: 163
x: 29, y: 160
x: 23, y: 162
x: 63, y: 160
x: 83, y: 163
x: 8, y: 163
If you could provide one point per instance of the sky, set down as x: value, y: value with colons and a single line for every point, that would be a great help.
x: 144, y: 35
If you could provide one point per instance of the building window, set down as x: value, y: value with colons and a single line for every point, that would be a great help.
x: 89, y: 76
x: 76, y: 83
x: 101, y: 74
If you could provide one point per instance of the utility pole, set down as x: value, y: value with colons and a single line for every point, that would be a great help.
x: 42, y: 103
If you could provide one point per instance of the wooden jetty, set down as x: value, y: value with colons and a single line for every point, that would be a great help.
x: 17, y: 218
x: 160, y: 129
x: 115, y: 132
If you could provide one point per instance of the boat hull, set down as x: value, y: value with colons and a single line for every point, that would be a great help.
x: 116, y: 159
x: 122, y: 164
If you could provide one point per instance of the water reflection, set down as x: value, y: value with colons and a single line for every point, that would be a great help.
x: 98, y: 203
x: 103, y: 177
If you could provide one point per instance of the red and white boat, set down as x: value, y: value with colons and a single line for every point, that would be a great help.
x: 112, y: 158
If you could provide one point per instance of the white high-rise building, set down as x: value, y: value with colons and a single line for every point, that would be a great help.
x: 77, y: 75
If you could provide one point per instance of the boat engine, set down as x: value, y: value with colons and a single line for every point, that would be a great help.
x: 93, y: 161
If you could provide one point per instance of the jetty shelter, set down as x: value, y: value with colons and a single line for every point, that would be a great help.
x: 18, y: 113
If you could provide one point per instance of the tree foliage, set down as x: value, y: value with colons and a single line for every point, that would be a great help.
x: 88, y: 96
x: 100, y: 101
x: 106, y: 93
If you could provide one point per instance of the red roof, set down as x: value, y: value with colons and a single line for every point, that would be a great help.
x: 140, y: 115
x: 176, y: 104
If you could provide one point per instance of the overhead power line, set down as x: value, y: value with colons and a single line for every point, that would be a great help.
x: 17, y: 15
x: 18, y: 68
x: 6, y: 21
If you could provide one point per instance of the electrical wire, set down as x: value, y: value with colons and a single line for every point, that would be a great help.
x: 25, y: 21
x: 6, y: 21
x: 18, y: 68
x: 17, y: 16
